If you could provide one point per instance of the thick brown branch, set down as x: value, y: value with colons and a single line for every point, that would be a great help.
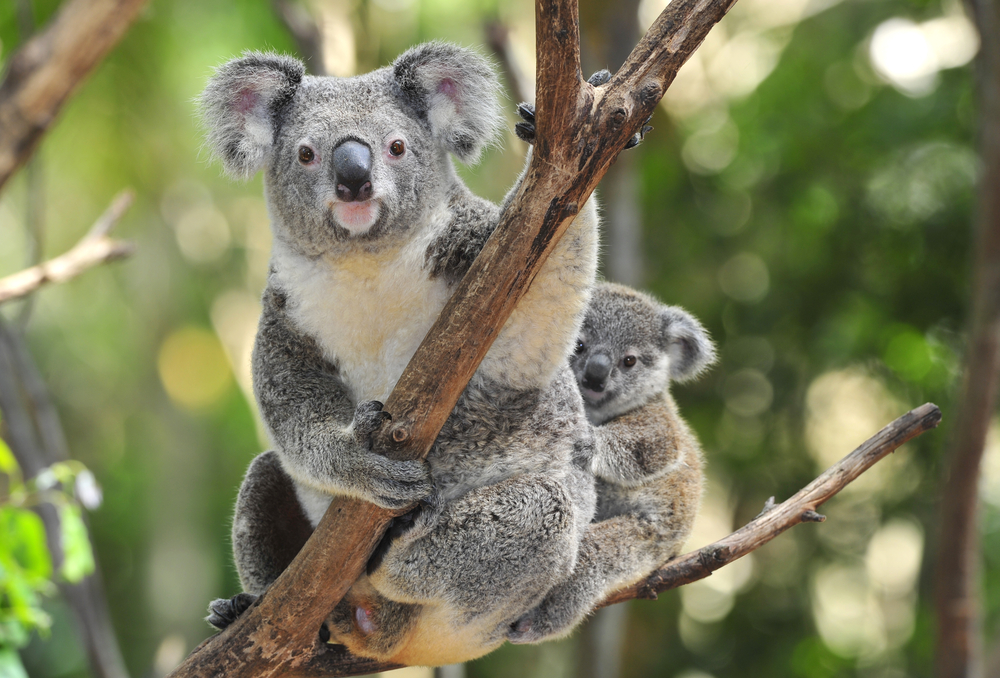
x: 576, y: 143
x: 776, y: 519
x: 43, y: 74
x: 95, y: 248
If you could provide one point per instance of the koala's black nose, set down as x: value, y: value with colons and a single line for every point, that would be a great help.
x: 597, y: 371
x: 352, y: 164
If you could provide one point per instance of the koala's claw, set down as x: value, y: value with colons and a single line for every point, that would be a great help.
x: 224, y: 611
x: 640, y: 135
x: 525, y: 130
x: 368, y: 419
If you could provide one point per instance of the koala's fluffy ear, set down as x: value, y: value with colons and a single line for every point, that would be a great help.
x: 686, y: 343
x: 456, y: 91
x: 241, y: 105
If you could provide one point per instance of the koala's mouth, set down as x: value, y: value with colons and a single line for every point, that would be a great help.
x: 592, y: 397
x: 356, y: 217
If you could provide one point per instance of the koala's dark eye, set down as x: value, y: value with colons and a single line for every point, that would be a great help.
x: 306, y: 155
x: 578, y: 349
x: 397, y: 147
x: 629, y: 361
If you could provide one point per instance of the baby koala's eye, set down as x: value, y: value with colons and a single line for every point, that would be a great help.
x: 578, y: 349
x: 629, y: 361
x: 306, y: 155
x: 397, y: 147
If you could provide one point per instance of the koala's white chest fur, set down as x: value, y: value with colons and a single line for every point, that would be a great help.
x: 368, y: 311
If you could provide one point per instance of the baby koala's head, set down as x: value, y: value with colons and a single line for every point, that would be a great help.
x: 631, y: 347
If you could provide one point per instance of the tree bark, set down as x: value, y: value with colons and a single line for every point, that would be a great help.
x: 959, y: 589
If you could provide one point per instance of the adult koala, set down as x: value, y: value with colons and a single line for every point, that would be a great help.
x: 372, y: 231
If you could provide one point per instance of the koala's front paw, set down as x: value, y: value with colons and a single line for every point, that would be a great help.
x: 525, y: 130
x: 385, y: 482
x: 224, y: 611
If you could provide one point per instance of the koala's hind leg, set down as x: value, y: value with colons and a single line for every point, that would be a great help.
x: 613, y: 553
x: 496, y: 548
x: 269, y: 529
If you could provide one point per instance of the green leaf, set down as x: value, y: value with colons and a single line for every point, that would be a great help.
x: 78, y: 558
x: 8, y: 464
x: 10, y: 664
x: 25, y: 534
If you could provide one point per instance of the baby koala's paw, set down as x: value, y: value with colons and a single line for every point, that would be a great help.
x: 549, y: 620
x: 224, y: 611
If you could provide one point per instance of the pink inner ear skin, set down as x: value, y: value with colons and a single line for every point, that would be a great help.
x: 448, y: 88
x: 246, y: 100
x: 363, y: 617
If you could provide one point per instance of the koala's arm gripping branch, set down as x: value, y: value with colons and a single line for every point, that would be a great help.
x: 580, y: 131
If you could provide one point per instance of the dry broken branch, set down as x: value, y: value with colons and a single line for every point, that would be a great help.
x: 95, y: 248
x: 580, y: 131
x: 42, y: 75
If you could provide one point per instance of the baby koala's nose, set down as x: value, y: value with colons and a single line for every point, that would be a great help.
x: 597, y: 371
x: 352, y: 165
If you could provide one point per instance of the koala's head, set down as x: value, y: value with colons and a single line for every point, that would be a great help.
x: 631, y: 347
x: 351, y: 159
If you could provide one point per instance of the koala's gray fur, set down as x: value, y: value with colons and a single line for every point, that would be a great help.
x: 368, y: 246
x: 647, y: 461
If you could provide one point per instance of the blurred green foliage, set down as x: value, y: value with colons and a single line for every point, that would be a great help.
x: 26, y: 573
x: 815, y: 214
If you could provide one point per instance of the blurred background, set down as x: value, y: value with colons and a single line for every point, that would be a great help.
x: 807, y: 193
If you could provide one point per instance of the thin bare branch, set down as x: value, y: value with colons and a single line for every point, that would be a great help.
x: 95, y: 248
x: 43, y: 74
x: 774, y: 520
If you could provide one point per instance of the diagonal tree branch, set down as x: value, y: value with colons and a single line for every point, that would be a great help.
x: 95, y: 248
x: 44, y: 73
x: 580, y: 132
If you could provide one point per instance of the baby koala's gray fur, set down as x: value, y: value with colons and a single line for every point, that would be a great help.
x: 372, y: 231
x: 646, y: 460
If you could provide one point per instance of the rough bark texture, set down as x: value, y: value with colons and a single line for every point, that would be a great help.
x: 959, y: 589
x: 580, y: 131
x: 43, y: 74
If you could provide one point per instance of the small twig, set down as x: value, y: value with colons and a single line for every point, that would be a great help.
x: 774, y: 520
x: 95, y: 248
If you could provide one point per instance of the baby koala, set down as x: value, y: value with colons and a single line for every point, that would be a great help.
x: 647, y: 463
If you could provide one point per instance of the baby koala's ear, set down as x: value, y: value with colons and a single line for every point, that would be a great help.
x: 241, y: 105
x: 457, y: 91
x: 686, y: 343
